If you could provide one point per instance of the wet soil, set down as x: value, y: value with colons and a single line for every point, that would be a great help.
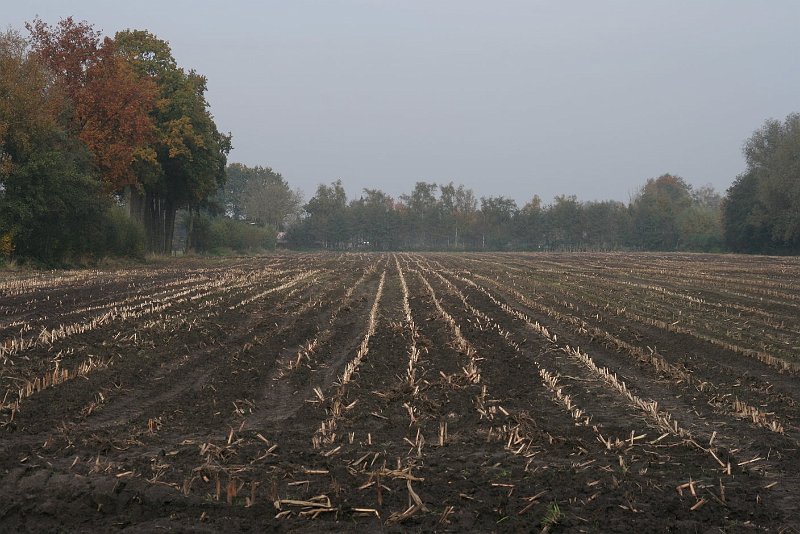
x: 219, y: 403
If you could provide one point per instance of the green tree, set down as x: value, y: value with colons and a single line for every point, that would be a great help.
x: 565, y: 223
x: 267, y: 199
x: 746, y: 224
x: 656, y: 212
x: 529, y: 224
x: 606, y: 224
x: 327, y: 222
x: 191, y: 153
x: 51, y: 204
x: 701, y: 224
x: 762, y: 210
x: 497, y: 214
x: 458, y: 208
x: 374, y: 220
x: 231, y: 195
x: 422, y: 215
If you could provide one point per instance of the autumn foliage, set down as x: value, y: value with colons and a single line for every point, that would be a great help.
x: 111, y: 103
x: 102, y: 140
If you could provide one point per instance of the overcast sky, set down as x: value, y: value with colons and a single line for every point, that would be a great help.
x: 509, y: 98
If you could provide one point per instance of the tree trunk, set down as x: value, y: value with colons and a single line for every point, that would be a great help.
x: 189, y: 229
x: 157, y: 216
x: 153, y: 222
x: 135, y: 204
x: 169, y: 226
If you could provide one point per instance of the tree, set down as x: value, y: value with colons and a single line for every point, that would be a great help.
x: 267, y: 199
x: 497, y: 214
x: 109, y: 103
x: 745, y: 219
x: 328, y: 218
x: 29, y: 106
x: 374, y: 220
x: 67, y: 49
x: 762, y: 211
x: 231, y: 195
x: 605, y: 224
x: 190, y: 153
x: 701, y: 223
x: 51, y: 205
x: 422, y: 214
x: 458, y: 207
x: 529, y: 224
x: 565, y: 222
x: 656, y: 211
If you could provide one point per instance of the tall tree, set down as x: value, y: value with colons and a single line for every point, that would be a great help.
x: 497, y: 214
x: 267, y: 198
x: 50, y: 201
x: 656, y: 212
x: 458, y: 208
x: 375, y: 220
x: 701, y: 223
x: 109, y: 103
x: 328, y: 216
x: 766, y: 198
x: 231, y: 195
x: 29, y: 106
x: 745, y: 218
x: 423, y: 214
x: 565, y: 222
x: 605, y: 224
x: 190, y: 153
x: 529, y: 224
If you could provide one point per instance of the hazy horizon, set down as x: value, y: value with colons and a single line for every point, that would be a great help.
x: 511, y: 98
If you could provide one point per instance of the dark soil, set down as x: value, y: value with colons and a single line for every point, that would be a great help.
x: 207, y: 410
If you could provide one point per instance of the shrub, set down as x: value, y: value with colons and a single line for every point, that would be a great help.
x: 6, y: 245
x: 215, y: 235
x: 125, y: 236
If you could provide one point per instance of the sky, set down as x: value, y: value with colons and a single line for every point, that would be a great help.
x: 510, y: 98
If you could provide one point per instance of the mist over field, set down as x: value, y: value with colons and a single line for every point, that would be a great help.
x: 397, y: 126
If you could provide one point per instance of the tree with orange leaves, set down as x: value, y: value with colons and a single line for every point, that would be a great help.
x: 51, y: 203
x: 144, y: 120
x: 111, y: 103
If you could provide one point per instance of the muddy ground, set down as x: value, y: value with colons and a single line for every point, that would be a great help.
x: 579, y: 393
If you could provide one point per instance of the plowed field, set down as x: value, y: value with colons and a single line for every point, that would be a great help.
x: 395, y: 392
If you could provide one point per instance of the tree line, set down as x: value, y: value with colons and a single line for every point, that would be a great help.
x: 667, y: 214
x: 759, y: 213
x: 108, y: 147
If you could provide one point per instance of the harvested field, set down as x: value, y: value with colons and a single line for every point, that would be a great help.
x: 451, y: 392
